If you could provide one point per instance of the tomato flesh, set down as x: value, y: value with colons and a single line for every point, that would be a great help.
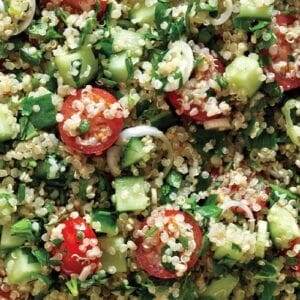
x: 284, y: 51
x: 107, y: 130
x: 175, y: 99
x: 74, y: 6
x: 150, y: 261
x: 296, y: 267
x: 76, y: 232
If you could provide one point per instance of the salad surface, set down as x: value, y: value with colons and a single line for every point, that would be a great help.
x: 149, y: 149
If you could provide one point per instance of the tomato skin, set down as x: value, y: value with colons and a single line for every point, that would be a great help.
x: 70, y: 247
x: 4, y: 295
x: 115, y: 125
x: 285, y: 19
x: 174, y: 99
x: 284, y: 50
x: 74, y: 6
x: 150, y: 261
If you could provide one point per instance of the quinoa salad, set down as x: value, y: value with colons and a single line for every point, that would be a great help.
x: 150, y: 149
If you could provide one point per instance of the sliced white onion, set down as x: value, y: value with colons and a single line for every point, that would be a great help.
x: 29, y: 17
x: 143, y: 130
x: 186, y: 65
x: 220, y: 124
x: 113, y: 155
x: 225, y: 15
x: 244, y: 207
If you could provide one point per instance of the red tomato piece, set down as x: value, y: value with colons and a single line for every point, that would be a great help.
x: 79, y: 248
x: 175, y: 99
x: 295, y: 242
x: 283, y: 54
x: 151, y: 260
x: 102, y: 131
x: 74, y: 6
x: 4, y: 295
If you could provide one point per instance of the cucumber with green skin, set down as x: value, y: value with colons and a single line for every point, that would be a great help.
x: 252, y: 10
x: 130, y: 194
x: 220, y: 289
x: 20, y: 266
x: 87, y: 70
x: 133, y: 152
x: 127, y: 40
x: 283, y: 226
x: 228, y: 250
x: 8, y: 240
x: 107, y: 220
x: 117, y: 67
x: 8, y: 205
x: 116, y: 260
x: 243, y: 75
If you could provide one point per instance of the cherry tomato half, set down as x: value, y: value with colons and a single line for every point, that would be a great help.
x: 98, y: 132
x: 4, y: 295
x: 175, y: 99
x: 74, y: 6
x: 79, y: 247
x: 283, y: 54
x: 150, y: 260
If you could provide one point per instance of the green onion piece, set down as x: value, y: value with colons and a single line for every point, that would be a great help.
x: 84, y: 126
x: 184, y: 242
x: 72, y: 285
x: 151, y: 231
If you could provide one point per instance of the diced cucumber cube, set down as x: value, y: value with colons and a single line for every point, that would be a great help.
x: 174, y: 179
x: 8, y: 124
x: 77, y: 68
x: 127, y: 40
x: 105, y: 221
x: 8, y: 205
x: 262, y: 238
x: 244, y: 76
x: 220, y: 288
x: 228, y: 250
x: 117, y: 67
x: 21, y: 266
x: 110, y: 245
x: 8, y: 240
x: 133, y: 152
x: 130, y: 194
x: 255, y: 10
x: 143, y: 14
x: 283, y: 226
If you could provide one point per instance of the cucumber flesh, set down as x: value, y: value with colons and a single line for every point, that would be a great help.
x: 19, y: 268
x: 283, y: 226
x: 130, y: 194
x: 243, y: 76
x: 262, y: 238
x: 127, y: 40
x: 143, y: 14
x: 228, y: 251
x: 118, y: 259
x: 107, y: 220
x: 87, y: 69
x: 8, y: 124
x: 8, y: 205
x: 8, y: 240
x: 251, y: 9
x: 133, y: 152
x: 117, y: 67
x: 220, y: 288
